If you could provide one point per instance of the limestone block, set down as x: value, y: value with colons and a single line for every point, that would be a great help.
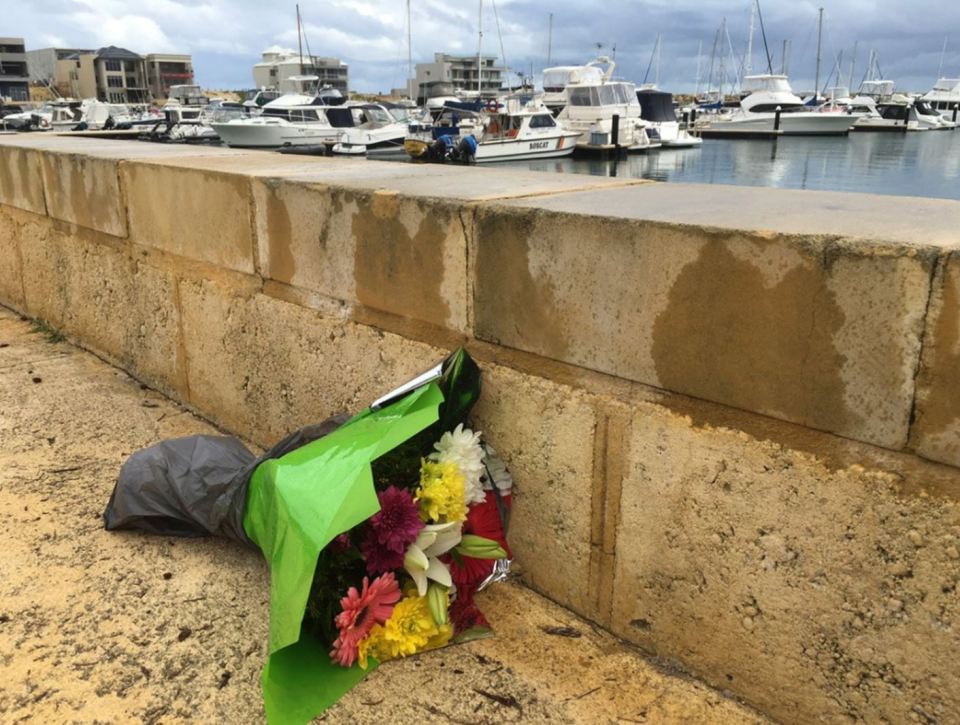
x: 197, y: 214
x: 817, y: 595
x: 545, y: 433
x: 84, y: 190
x: 263, y: 367
x: 86, y: 285
x: 11, y: 271
x: 21, y: 182
x: 401, y: 255
x: 936, y: 431
x: 821, y: 333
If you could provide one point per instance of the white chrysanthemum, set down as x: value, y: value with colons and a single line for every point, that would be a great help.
x: 462, y: 447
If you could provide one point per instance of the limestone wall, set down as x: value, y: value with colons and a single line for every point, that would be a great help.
x: 732, y: 413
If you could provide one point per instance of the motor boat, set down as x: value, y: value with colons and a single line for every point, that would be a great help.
x: 515, y: 128
x: 656, y: 108
x: 930, y: 118
x: 945, y: 98
x: 593, y: 100
x: 770, y: 107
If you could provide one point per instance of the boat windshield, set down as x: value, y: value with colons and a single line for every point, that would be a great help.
x: 374, y: 115
x: 584, y: 96
x: 947, y: 84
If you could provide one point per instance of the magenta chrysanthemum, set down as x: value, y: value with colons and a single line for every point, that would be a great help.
x: 391, y: 530
x: 361, y: 610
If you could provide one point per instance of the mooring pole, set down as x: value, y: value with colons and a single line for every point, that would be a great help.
x: 776, y: 119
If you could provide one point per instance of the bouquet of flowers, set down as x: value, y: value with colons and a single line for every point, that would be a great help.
x: 378, y: 530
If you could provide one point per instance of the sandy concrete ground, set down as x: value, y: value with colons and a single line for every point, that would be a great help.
x: 122, y: 627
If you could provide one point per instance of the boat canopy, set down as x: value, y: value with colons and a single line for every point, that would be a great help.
x: 767, y: 82
x: 656, y: 106
x: 877, y: 88
x: 947, y: 84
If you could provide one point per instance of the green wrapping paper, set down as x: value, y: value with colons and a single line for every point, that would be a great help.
x: 298, y: 504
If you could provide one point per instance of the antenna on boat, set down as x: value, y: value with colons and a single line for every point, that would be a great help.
x: 299, y: 41
x: 549, y: 37
x: 763, y: 33
x: 816, y: 78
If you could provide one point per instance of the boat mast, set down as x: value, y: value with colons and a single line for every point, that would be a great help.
x: 479, y: 48
x: 748, y: 60
x: 549, y: 37
x: 853, y: 62
x: 503, y: 53
x: 409, y: 45
x: 816, y: 81
x: 713, y: 58
x: 299, y: 41
x: 721, y: 73
x: 763, y: 34
x: 783, y: 58
x: 656, y: 77
x: 942, y: 53
x: 699, y: 56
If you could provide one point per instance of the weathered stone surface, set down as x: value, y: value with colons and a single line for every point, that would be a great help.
x: 545, y: 433
x: 21, y: 182
x: 386, y: 252
x: 821, y: 333
x: 196, y: 214
x: 11, y: 269
x: 85, y: 285
x: 84, y: 190
x: 264, y: 367
x: 816, y: 594
x: 936, y: 431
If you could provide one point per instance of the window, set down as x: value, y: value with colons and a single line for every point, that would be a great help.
x: 584, y: 97
x: 608, y: 96
x: 542, y: 120
x: 115, y: 81
x: 114, y: 65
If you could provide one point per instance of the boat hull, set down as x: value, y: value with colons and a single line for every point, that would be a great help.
x: 791, y: 124
x: 262, y: 135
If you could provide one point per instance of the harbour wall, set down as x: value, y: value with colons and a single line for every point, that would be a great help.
x: 733, y: 414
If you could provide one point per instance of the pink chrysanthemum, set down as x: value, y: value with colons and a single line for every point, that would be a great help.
x: 391, y: 530
x: 361, y: 610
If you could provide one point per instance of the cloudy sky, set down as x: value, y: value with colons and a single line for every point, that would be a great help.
x: 227, y: 36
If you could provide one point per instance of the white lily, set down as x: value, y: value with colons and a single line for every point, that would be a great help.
x: 421, y: 560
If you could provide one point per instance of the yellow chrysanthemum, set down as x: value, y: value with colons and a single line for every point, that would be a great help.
x: 441, y: 493
x: 409, y: 630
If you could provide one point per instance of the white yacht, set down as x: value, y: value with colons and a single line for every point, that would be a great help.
x: 757, y: 115
x: 945, y: 98
x: 656, y: 108
x: 516, y: 128
x: 593, y: 100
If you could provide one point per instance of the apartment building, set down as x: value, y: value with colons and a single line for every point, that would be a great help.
x: 14, y: 76
x: 165, y: 70
x: 277, y: 66
x: 458, y: 72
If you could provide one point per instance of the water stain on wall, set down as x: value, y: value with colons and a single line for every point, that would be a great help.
x: 512, y: 306
x: 395, y: 270
x: 727, y: 337
x: 937, y: 414
x: 282, y: 265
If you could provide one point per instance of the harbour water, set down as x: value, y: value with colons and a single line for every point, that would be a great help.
x: 903, y: 164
